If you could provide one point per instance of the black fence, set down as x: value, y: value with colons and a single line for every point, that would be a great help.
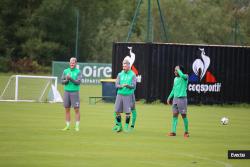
x: 217, y: 74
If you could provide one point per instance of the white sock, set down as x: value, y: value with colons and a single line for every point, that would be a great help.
x: 77, y: 123
x: 67, y: 124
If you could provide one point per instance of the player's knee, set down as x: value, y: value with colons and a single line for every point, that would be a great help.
x: 184, y: 115
x: 127, y: 114
x: 175, y: 114
x: 76, y: 109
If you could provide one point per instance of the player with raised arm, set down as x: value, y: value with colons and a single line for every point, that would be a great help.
x: 179, y: 104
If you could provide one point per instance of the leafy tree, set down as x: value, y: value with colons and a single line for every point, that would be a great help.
x: 39, y: 31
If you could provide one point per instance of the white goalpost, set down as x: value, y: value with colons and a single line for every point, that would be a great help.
x: 29, y: 88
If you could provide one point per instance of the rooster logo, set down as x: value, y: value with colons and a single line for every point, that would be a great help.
x: 131, y: 60
x: 200, y: 67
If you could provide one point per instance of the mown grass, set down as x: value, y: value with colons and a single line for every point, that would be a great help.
x: 30, y: 135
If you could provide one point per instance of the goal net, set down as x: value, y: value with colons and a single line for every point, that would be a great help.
x: 30, y: 88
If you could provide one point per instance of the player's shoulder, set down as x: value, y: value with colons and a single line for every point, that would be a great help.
x: 78, y: 70
x: 132, y: 72
x: 66, y: 70
x: 120, y: 73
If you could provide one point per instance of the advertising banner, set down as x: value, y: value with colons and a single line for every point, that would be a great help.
x: 217, y: 74
x: 92, y: 72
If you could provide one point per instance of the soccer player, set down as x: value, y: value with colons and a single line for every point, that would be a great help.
x: 133, y: 109
x: 125, y: 99
x: 179, y: 95
x: 71, y: 78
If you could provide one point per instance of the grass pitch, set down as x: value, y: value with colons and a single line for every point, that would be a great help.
x: 31, y: 136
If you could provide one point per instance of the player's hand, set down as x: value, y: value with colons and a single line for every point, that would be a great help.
x: 124, y: 85
x: 68, y: 77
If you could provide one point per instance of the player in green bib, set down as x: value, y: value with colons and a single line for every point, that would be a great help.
x: 125, y: 99
x: 179, y: 95
x: 71, y: 79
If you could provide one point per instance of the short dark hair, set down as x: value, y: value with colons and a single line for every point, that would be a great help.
x: 181, y: 68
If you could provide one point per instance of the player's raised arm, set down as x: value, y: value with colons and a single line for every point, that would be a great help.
x: 180, y: 73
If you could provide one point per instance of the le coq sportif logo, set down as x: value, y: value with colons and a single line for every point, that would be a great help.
x: 131, y: 59
x: 202, y: 80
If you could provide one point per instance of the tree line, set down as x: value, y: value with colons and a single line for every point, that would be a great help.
x: 33, y: 33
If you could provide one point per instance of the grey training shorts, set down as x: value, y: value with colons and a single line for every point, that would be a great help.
x: 71, y: 99
x: 124, y: 103
x: 180, y: 105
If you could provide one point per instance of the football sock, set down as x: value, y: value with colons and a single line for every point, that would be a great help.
x: 126, y: 127
x: 174, y: 124
x: 127, y: 119
x: 134, y: 115
x: 118, y: 119
x: 67, y: 123
x: 77, y: 123
x: 115, y: 118
x: 185, y: 120
x: 127, y: 122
